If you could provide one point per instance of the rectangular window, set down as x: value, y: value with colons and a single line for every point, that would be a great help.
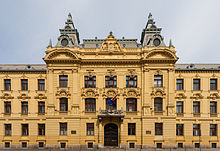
x: 24, y: 107
x: 90, y: 129
x: 180, y: 145
x: 214, y: 145
x: 131, y: 145
x: 25, y: 131
x: 179, y: 84
x: 24, y: 84
x: 179, y: 107
x: 90, y: 105
x: 213, y: 107
x: 213, y: 84
x: 131, y: 105
x: 110, y: 81
x: 196, y: 130
x: 90, y: 81
x: 63, y: 129
x: 159, y: 145
x: 131, y: 81
x: 7, y: 129
x: 63, y: 81
x: 41, y: 107
x: 64, y: 104
x: 41, y: 84
x: 41, y: 129
x: 41, y: 144
x: 213, y: 129
x: 62, y: 145
x: 131, y: 128
x: 158, y: 80
x: 197, y: 145
x: 179, y: 129
x: 196, y: 84
x: 90, y: 145
x: 158, y: 128
x: 111, y: 104
x: 7, y: 144
x: 7, y: 105
x: 7, y: 84
x: 196, y: 107
x: 24, y: 144
x: 158, y: 105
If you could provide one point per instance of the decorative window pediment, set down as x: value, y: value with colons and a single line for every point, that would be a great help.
x: 63, y: 92
x: 23, y: 96
x: 90, y: 93
x: 197, y: 96
x: 6, y: 96
x: 180, y: 96
x: 214, y: 96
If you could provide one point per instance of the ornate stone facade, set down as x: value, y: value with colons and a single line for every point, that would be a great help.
x: 65, y: 103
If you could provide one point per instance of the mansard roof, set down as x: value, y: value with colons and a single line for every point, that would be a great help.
x: 42, y: 67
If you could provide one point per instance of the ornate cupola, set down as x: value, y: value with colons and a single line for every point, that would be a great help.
x: 69, y: 36
x: 151, y: 34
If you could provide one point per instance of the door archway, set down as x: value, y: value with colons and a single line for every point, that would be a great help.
x: 111, y: 135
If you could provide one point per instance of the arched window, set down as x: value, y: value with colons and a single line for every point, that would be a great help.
x: 158, y: 104
x: 131, y: 104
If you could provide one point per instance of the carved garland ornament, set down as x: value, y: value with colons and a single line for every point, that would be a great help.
x: 40, y: 96
x: 197, y: 96
x: 6, y: 96
x: 180, y: 96
x: 24, y: 96
x: 63, y: 93
x: 214, y: 96
x: 132, y: 92
x: 92, y: 93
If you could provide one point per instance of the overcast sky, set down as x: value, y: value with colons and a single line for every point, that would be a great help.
x: 27, y: 25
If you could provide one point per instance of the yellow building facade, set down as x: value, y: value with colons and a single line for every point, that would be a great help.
x: 109, y: 93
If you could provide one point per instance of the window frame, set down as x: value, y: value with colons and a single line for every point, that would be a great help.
x: 90, y: 130
x: 90, y: 105
x: 132, y: 129
x: 90, y: 80
x: 179, y: 107
x: 158, y: 128
x: 196, y: 130
x: 24, y: 84
x: 213, y: 108
x: 41, y: 107
x: 63, y: 104
x: 179, y: 85
x: 158, y: 81
x: 133, y: 103
x: 196, y: 84
x: 41, y: 129
x: 158, y: 104
x: 196, y: 107
x: 7, y: 85
x: 24, y: 107
x: 41, y: 84
x: 131, y: 81
x: 24, y: 129
x: 213, y: 130
x: 111, y: 81
x: 63, y: 129
x: 7, y: 107
x: 179, y: 130
x: 63, y: 81
x: 213, y: 85
x: 8, y: 130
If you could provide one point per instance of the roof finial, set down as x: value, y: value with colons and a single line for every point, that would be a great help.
x: 50, y: 43
x: 110, y: 33
x: 150, y: 16
x: 70, y: 16
x: 170, y: 44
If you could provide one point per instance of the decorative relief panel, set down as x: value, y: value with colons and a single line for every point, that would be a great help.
x: 180, y: 96
x: 23, y: 96
x: 213, y: 96
x: 110, y: 92
x: 132, y: 92
x: 90, y: 92
x: 63, y: 92
x: 40, y: 96
x: 6, y: 96
x: 158, y: 92
x: 197, y: 96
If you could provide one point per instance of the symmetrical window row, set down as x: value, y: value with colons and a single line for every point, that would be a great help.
x: 196, y: 107
x: 131, y: 105
x: 24, y: 107
x: 24, y: 84
x: 180, y: 129
x: 196, y: 84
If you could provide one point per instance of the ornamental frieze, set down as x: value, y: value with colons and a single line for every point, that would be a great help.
x: 197, y: 96
x: 180, y: 96
x: 6, y: 96
x: 63, y: 92
x: 40, y: 96
x: 158, y: 92
x: 110, y: 92
x: 23, y: 96
x: 132, y: 92
x: 213, y: 96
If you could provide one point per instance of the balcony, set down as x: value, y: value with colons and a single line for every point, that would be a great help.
x: 111, y: 114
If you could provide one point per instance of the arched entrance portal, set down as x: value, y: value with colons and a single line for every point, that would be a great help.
x: 111, y: 135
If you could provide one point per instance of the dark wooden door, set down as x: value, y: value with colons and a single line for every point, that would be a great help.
x: 111, y: 135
